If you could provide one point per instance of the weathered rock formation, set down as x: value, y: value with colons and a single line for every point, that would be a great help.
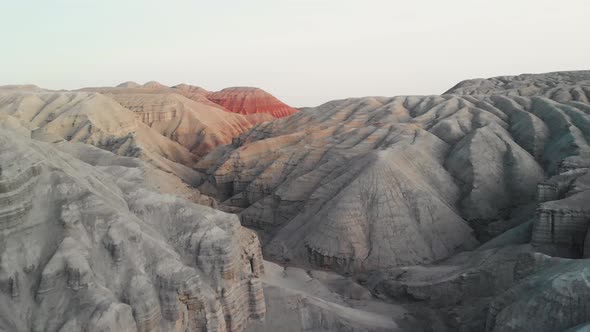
x: 97, y: 248
x: 372, y: 183
x: 563, y: 216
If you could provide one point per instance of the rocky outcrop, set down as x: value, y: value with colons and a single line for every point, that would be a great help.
x: 244, y: 100
x: 563, y: 217
x: 72, y: 233
x: 15, y: 196
x: 547, y: 192
x: 562, y: 230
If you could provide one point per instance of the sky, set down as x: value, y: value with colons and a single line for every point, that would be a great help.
x: 304, y: 52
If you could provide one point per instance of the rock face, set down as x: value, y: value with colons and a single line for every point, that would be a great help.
x: 96, y: 248
x: 155, y: 124
x: 563, y: 215
x: 245, y: 100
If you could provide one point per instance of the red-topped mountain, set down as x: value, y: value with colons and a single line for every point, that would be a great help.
x: 246, y: 100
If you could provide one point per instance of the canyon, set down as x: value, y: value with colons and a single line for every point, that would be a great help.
x: 156, y: 208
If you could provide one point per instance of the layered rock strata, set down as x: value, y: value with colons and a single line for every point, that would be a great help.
x: 563, y: 215
x: 196, y: 126
x: 95, y: 248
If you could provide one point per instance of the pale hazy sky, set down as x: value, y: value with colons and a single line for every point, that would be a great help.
x: 305, y: 52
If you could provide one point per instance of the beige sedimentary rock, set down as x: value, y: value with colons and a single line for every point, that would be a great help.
x: 197, y: 126
x: 553, y: 299
x: 100, y: 121
x: 562, y: 222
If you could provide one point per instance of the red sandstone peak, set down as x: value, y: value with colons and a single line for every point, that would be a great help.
x: 246, y: 100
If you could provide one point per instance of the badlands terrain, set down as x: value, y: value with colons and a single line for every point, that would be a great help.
x: 155, y: 208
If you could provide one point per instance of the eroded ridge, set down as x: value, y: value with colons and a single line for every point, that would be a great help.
x: 138, y: 260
